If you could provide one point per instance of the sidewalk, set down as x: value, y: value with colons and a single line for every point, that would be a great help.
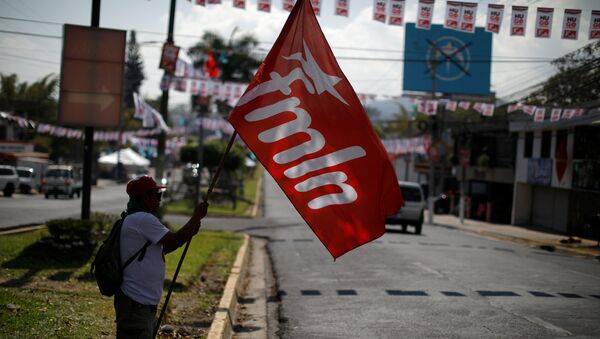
x: 542, y: 240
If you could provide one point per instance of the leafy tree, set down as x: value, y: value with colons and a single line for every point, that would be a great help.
x: 35, y: 101
x: 577, y: 80
x: 213, y: 151
x: 134, y: 70
x: 235, y: 59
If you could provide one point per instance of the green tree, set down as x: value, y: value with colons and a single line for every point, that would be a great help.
x: 36, y: 101
x: 212, y: 152
x: 134, y: 70
x: 577, y: 80
x: 235, y: 58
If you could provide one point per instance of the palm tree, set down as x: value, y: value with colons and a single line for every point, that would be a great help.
x: 235, y: 57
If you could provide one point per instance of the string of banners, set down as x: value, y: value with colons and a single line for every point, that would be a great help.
x: 403, y: 146
x: 429, y: 107
x: 460, y: 16
x: 74, y: 133
x: 188, y: 79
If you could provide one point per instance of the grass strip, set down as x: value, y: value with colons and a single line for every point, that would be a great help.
x: 220, y: 208
x: 47, y: 292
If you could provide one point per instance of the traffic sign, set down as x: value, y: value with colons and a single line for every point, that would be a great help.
x: 461, y: 61
x: 91, y: 76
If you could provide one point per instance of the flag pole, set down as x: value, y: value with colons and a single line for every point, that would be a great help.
x: 187, y: 245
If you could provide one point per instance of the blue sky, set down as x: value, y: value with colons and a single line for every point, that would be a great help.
x: 32, y: 57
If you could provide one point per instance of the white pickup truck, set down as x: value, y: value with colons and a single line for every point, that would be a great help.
x: 9, y: 180
x: 62, y: 179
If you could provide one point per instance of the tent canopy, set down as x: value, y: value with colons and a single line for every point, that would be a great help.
x: 128, y: 158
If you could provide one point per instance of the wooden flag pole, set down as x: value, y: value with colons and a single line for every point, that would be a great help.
x: 187, y: 245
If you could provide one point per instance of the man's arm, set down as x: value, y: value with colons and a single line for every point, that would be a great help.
x: 173, y: 240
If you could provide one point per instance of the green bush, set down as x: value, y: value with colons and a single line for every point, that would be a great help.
x: 71, y: 230
x: 88, y: 231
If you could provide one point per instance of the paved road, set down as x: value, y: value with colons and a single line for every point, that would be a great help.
x: 35, y: 209
x: 442, y: 284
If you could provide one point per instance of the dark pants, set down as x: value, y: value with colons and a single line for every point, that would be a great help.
x: 134, y: 320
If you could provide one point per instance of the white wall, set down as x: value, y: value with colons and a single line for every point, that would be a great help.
x: 521, y: 209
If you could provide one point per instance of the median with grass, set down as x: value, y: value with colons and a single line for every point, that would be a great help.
x: 46, y: 289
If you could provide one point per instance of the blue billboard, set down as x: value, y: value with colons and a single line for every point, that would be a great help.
x: 461, y: 61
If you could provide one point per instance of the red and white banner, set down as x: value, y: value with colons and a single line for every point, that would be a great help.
x: 555, y: 114
x: 468, y: 15
x: 396, y: 12
x: 494, y: 18
x: 424, y: 14
x: 342, y: 7
x: 239, y: 4
x: 201, y: 2
x: 543, y: 22
x: 305, y: 124
x: 518, y: 20
x: 568, y: 113
x: 539, y: 114
x: 529, y: 109
x: 451, y: 105
x: 570, y: 26
x: 464, y: 104
x: 431, y: 107
x: 264, y: 5
x: 213, y: 2
x: 595, y: 25
x: 488, y: 110
x: 452, y: 19
x: 512, y: 108
x: 316, y: 6
x: 379, y: 10
x: 288, y: 5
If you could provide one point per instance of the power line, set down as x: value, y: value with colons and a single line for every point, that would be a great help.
x: 30, y: 20
x: 32, y: 34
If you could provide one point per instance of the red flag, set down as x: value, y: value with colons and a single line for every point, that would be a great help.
x: 304, y: 122
x: 210, y: 66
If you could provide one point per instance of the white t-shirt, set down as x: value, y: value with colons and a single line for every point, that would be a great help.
x: 143, y: 280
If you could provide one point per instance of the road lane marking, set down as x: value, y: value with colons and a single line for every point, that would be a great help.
x: 452, y: 294
x: 547, y: 325
x: 407, y: 293
x: 428, y: 269
x: 498, y: 294
x: 541, y: 294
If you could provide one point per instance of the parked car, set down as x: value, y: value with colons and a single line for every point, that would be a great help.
x: 9, y: 180
x: 62, y: 179
x: 26, y: 179
x: 414, y: 205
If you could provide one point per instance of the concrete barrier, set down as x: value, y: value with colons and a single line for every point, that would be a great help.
x: 224, y: 320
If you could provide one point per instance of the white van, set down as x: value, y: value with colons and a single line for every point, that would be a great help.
x: 414, y: 205
x: 61, y: 179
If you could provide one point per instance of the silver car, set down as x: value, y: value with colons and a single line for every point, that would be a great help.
x: 414, y: 205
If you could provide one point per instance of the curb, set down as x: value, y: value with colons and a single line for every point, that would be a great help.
x: 224, y: 320
x: 526, y: 241
x: 21, y: 229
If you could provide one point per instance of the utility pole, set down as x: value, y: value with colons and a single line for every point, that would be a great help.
x: 164, y: 103
x: 88, y: 141
x: 433, y: 130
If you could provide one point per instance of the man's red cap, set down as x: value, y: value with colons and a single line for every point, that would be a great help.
x: 141, y: 185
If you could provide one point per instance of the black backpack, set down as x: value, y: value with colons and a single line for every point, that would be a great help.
x: 106, y: 267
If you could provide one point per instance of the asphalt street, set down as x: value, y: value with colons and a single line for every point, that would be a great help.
x: 26, y: 209
x: 442, y: 284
